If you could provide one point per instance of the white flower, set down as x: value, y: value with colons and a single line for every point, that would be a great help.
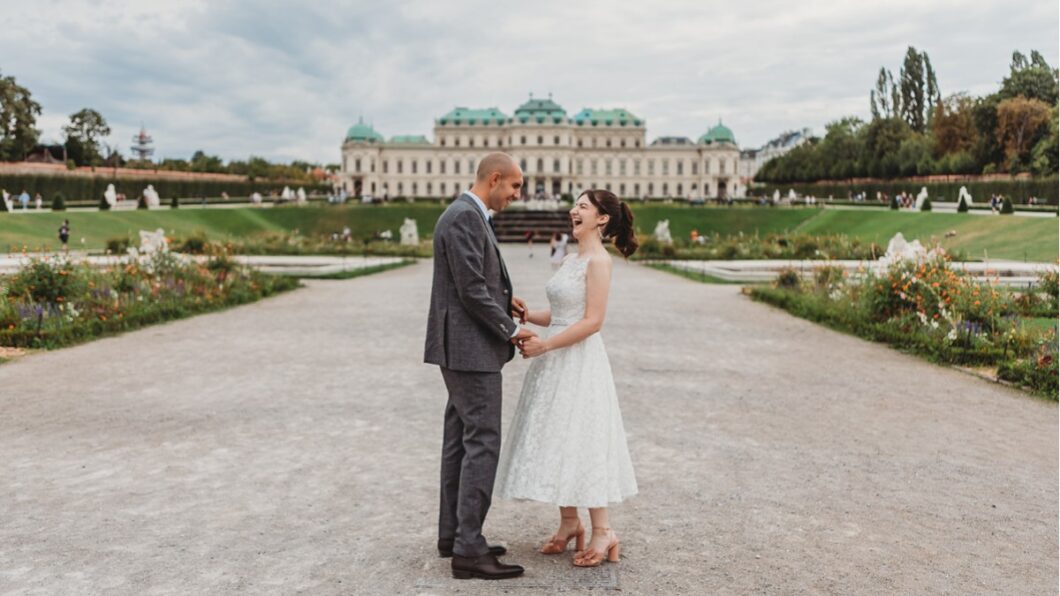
x: 952, y: 335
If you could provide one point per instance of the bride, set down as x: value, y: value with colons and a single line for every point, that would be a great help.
x: 567, y: 445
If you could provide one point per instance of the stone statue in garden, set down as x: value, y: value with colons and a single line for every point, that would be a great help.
x: 964, y: 194
x: 921, y: 197
x: 152, y: 242
x: 662, y: 232
x: 899, y: 250
x: 301, y: 195
x: 776, y: 196
x: 410, y: 235
x: 286, y: 195
x: 151, y: 197
x: 110, y: 195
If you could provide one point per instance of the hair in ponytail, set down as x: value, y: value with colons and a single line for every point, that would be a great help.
x: 619, y: 227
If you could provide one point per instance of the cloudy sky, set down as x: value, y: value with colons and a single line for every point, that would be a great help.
x: 285, y: 80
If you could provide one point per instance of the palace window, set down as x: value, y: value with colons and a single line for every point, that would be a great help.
x: 522, y: 164
x: 386, y: 166
x: 400, y: 166
x: 540, y: 140
x: 607, y: 167
x: 607, y: 187
x: 594, y: 141
x: 441, y: 166
x: 636, y: 189
x: 441, y: 188
x: 579, y: 142
x: 680, y: 168
x: 679, y: 193
x: 414, y: 189
x: 429, y: 162
x: 470, y: 166
x: 666, y: 189
x: 456, y: 141
x: 722, y: 166
x: 540, y: 165
x: 456, y: 166
x: 695, y: 168
x: 581, y: 166
x: 371, y: 165
x: 666, y: 167
x: 400, y: 189
x: 522, y: 140
x: 555, y: 140
x: 429, y: 193
x: 485, y: 141
x: 441, y: 141
x: 636, y: 143
x: 357, y: 165
x: 415, y: 167
x: 623, y: 143
x: 471, y: 141
x: 636, y: 168
x: 373, y: 188
x: 592, y: 167
x: 651, y: 168
x: 608, y: 142
x: 622, y: 189
x: 622, y: 167
x: 556, y: 166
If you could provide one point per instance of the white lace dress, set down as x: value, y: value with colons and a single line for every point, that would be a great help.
x: 566, y: 444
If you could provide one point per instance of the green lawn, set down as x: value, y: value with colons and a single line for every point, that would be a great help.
x: 37, y: 230
x: 1001, y: 237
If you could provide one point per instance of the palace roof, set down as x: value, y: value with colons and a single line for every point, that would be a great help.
x: 463, y: 115
x: 540, y: 110
x: 718, y: 134
x: 363, y: 132
x: 410, y: 139
x: 619, y: 117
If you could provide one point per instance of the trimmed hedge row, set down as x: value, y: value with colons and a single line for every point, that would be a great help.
x: 85, y: 188
x: 1044, y: 189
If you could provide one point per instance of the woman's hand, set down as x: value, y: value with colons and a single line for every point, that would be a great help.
x: 535, y: 346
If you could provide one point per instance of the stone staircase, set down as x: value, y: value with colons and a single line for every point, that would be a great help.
x: 513, y: 224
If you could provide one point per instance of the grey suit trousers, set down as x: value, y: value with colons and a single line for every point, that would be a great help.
x: 470, y: 450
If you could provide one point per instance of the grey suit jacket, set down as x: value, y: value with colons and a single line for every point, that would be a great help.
x: 469, y: 325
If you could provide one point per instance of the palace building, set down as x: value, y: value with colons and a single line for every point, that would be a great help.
x: 558, y: 153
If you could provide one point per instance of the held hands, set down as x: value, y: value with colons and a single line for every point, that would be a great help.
x: 534, y: 346
x: 519, y: 310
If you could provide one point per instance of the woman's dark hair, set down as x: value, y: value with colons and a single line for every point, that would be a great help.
x: 619, y: 227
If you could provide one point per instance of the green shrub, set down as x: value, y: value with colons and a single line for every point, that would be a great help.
x: 141, y: 203
x: 196, y: 244
x: 3, y: 205
x: 103, y: 204
x: 828, y: 276
x: 174, y: 203
x: 118, y: 245
x: 788, y: 278
x: 894, y: 202
x: 47, y: 281
x: 1006, y: 206
x: 962, y: 205
x: 926, y: 205
x: 59, y: 202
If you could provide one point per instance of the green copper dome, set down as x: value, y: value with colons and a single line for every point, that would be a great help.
x: 363, y: 132
x: 718, y: 134
x: 540, y: 111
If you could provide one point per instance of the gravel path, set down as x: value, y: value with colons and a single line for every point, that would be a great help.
x: 291, y: 446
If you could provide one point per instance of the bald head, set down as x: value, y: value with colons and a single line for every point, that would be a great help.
x: 498, y: 182
x: 498, y: 162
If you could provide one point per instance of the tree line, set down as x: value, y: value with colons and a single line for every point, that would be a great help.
x: 915, y: 131
x: 83, y: 143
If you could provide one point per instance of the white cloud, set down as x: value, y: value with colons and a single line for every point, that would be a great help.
x: 285, y: 81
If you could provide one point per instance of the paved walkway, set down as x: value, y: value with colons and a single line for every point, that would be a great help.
x: 291, y: 446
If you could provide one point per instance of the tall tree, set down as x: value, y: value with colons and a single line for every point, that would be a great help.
x: 83, y: 134
x: 1033, y: 79
x: 18, y: 115
x: 953, y: 125
x: 911, y: 79
x: 1021, y: 122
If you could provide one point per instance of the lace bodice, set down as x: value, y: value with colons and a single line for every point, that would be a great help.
x: 566, y: 291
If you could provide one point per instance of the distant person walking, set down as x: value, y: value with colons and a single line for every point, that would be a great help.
x: 24, y: 199
x: 39, y: 200
x: 64, y: 235
x: 529, y: 235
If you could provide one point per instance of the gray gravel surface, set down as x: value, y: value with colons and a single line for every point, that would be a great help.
x: 291, y: 446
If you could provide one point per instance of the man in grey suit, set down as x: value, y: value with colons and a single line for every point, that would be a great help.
x: 471, y: 335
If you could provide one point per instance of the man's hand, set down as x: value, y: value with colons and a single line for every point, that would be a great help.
x: 519, y: 310
x: 534, y: 346
x: 523, y: 335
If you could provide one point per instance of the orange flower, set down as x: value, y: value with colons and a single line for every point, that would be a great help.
x: 976, y: 303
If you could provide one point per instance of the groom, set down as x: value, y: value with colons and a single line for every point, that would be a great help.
x: 471, y: 335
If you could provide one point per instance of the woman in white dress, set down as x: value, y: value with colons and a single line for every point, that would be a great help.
x: 566, y: 444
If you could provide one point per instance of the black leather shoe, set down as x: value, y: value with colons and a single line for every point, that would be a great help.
x: 495, y: 549
x: 485, y: 567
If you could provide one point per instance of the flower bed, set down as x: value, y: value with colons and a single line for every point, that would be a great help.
x: 930, y: 309
x: 754, y: 247
x: 52, y: 302
x: 294, y: 243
